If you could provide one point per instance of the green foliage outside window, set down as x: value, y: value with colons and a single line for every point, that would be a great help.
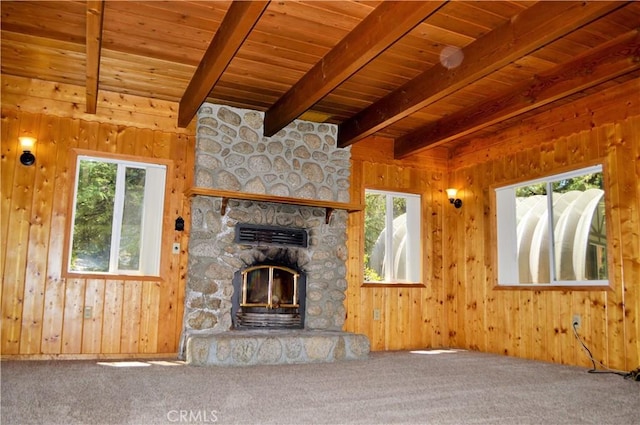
x: 94, y: 216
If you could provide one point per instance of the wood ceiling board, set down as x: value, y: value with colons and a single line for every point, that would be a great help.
x: 125, y: 30
x: 204, y: 18
x: 266, y: 53
x: 159, y: 44
x: 489, y: 53
x: 360, y: 46
x: 588, y: 70
x: 304, y: 13
x: 441, y: 35
x: 461, y: 19
x: 234, y: 29
x: 44, y: 19
x: 33, y: 60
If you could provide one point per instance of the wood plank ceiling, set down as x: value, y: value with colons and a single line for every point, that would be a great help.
x: 425, y: 74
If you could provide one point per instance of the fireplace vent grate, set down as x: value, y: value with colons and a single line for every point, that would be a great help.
x: 270, y: 235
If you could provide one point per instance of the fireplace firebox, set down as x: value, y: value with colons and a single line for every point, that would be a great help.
x: 268, y: 296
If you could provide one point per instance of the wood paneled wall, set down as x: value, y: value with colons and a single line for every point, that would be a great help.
x: 537, y: 324
x: 460, y: 305
x: 457, y: 305
x: 410, y: 315
x: 42, y: 311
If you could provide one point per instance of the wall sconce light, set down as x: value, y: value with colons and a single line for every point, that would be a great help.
x: 451, y: 194
x: 26, y: 142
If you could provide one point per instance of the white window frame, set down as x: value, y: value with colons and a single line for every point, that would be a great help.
x: 413, y: 238
x: 506, y: 223
x: 152, y: 216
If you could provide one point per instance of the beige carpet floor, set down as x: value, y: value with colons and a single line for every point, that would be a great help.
x: 458, y: 387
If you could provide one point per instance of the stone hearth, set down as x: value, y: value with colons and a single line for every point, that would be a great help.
x: 246, y: 348
x: 301, y: 161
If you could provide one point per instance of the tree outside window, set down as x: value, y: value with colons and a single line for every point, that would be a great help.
x: 117, y: 217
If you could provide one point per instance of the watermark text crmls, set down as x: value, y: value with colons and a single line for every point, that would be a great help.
x: 192, y: 416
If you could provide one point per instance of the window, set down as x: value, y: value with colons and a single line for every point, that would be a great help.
x: 553, y: 230
x: 117, y: 217
x: 392, y: 237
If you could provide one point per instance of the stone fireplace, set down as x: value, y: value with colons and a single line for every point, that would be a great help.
x: 256, y: 301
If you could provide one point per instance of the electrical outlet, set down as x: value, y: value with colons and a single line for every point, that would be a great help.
x: 88, y: 312
x: 176, y: 248
x: 576, y: 321
x: 376, y: 314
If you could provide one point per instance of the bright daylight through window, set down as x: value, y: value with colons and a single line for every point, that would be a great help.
x: 117, y: 217
x: 553, y: 230
x: 392, y: 237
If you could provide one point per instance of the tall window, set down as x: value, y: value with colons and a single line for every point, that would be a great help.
x: 117, y: 217
x: 553, y: 230
x: 392, y: 237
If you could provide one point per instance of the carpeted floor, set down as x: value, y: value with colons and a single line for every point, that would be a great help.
x: 458, y: 387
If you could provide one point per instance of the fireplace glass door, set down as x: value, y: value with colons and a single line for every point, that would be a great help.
x: 270, y: 287
x: 268, y: 296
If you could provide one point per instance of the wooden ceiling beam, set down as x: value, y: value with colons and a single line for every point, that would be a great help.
x: 95, y: 13
x: 380, y: 29
x: 238, y: 22
x: 608, y: 61
x: 533, y: 28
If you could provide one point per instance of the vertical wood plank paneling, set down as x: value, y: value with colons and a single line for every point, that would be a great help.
x: 167, y: 145
x: 617, y: 193
x: 148, y: 338
x: 378, y: 334
x: 92, y: 326
x: 9, y: 132
x: 42, y: 309
x: 537, y: 324
x: 17, y: 238
x: 409, y: 316
x: 130, y: 330
x: 39, y: 227
x: 54, y: 298
x: 433, y: 299
x: 627, y: 205
x: 632, y: 262
x: 112, y: 316
x: 73, y: 318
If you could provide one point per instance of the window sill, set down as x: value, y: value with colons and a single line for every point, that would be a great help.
x: 105, y: 276
x: 392, y: 285
x: 547, y: 287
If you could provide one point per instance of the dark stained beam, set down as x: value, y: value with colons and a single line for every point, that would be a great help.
x: 95, y: 13
x: 238, y: 22
x: 532, y: 28
x: 379, y: 30
x: 603, y: 63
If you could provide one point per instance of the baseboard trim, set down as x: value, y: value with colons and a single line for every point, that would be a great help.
x: 96, y: 356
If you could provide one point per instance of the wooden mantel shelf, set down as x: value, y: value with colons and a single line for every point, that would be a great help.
x: 329, y: 206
